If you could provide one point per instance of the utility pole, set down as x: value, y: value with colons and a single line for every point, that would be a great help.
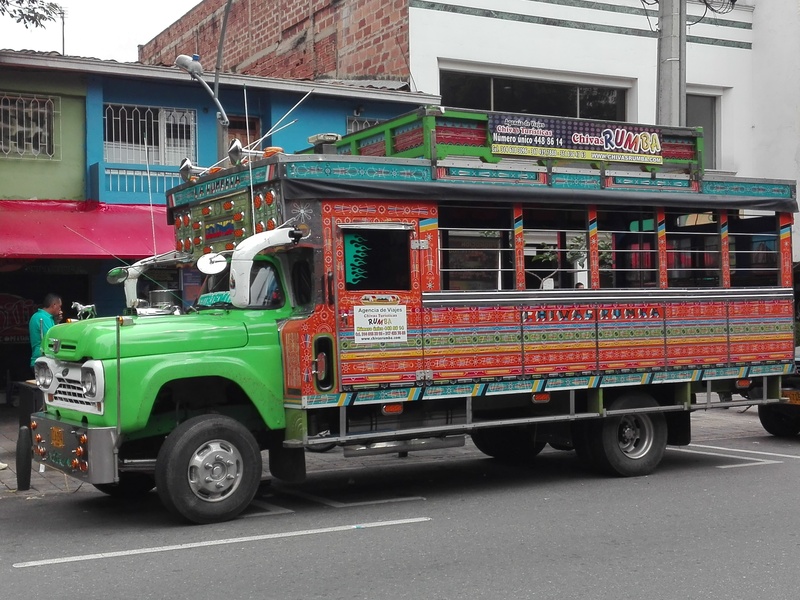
x: 671, y: 85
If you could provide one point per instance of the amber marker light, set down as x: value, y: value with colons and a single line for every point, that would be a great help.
x: 83, y: 438
x: 540, y: 397
x: 392, y: 409
x: 34, y: 425
x: 743, y: 384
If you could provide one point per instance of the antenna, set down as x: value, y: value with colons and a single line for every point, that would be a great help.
x: 62, y: 12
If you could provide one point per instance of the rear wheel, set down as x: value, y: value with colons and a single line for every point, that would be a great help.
x: 779, y: 421
x: 629, y: 445
x: 208, y: 469
x: 512, y: 444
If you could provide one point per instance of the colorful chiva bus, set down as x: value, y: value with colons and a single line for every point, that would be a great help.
x: 521, y: 279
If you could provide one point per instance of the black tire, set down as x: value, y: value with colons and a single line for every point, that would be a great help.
x: 130, y: 486
x: 779, y: 421
x: 24, y: 458
x: 510, y: 444
x: 321, y: 447
x: 222, y: 449
x: 629, y: 445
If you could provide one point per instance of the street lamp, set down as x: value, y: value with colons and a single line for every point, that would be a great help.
x: 191, y: 64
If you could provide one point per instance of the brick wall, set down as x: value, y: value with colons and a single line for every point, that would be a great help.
x: 293, y: 39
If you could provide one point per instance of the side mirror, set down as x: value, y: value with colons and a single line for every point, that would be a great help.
x: 117, y: 275
x: 211, y: 264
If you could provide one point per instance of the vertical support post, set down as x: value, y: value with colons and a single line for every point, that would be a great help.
x: 671, y: 90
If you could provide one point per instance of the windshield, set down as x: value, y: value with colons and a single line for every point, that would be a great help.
x: 266, y: 290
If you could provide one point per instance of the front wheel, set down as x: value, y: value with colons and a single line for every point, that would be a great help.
x: 779, y: 421
x: 629, y: 445
x: 208, y: 469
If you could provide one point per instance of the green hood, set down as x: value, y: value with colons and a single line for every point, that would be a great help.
x: 147, y: 336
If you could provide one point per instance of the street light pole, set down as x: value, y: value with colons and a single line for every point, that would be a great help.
x: 671, y: 85
x: 191, y: 64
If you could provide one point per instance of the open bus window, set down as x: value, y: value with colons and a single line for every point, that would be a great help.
x: 628, y: 249
x: 476, y: 258
x: 693, y: 248
x: 754, y: 249
x: 377, y: 259
x: 556, y: 253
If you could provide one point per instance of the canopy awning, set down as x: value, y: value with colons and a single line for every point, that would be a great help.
x: 88, y: 229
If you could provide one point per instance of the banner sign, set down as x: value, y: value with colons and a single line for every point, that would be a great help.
x: 574, y: 139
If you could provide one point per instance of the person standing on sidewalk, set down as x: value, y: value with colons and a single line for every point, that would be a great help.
x: 41, y: 321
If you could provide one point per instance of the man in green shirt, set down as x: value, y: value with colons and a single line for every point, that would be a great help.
x: 42, y: 320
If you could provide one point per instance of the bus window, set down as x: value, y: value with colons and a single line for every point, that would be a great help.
x: 693, y: 248
x: 628, y: 249
x: 754, y: 247
x: 377, y: 259
x: 476, y: 246
x: 555, y: 247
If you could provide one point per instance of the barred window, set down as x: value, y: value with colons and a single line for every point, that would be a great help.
x: 149, y: 135
x: 355, y: 124
x: 28, y: 126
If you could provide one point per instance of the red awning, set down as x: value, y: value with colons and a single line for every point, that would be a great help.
x: 67, y: 229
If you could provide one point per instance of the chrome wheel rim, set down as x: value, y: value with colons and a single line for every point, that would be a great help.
x: 215, y: 470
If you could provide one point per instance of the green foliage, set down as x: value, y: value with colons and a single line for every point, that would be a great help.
x: 31, y: 13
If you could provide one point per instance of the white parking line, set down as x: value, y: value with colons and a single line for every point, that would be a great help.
x: 209, y: 543
x: 795, y: 456
x: 336, y: 504
x: 751, y: 462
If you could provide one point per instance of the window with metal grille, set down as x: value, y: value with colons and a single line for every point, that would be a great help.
x: 149, y: 135
x: 355, y: 124
x: 28, y: 126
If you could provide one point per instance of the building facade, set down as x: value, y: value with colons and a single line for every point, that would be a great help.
x: 88, y: 149
x: 555, y: 57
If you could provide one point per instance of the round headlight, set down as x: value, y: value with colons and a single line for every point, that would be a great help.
x: 89, y: 382
x: 44, y: 376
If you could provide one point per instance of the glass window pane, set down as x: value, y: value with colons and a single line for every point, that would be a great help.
x: 535, y: 97
x: 602, y: 104
x: 465, y: 90
x: 701, y: 112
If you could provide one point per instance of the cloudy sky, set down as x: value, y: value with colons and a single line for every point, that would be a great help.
x: 106, y: 29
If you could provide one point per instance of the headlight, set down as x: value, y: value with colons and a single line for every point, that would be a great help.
x: 89, y: 382
x: 44, y: 376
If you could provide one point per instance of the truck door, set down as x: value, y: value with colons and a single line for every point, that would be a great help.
x: 378, y: 303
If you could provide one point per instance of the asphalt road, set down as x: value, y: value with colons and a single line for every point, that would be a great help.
x: 718, y: 520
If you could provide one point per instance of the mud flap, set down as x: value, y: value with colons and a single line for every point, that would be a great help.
x: 287, y: 464
x: 679, y: 428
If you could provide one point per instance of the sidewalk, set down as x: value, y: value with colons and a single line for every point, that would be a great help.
x: 706, y: 426
x: 47, y: 482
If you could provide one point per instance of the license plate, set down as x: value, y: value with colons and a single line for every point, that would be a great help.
x: 57, y: 437
x: 793, y: 396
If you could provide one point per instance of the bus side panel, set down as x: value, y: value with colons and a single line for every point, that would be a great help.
x: 761, y: 330
x: 473, y: 342
x: 696, y: 334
